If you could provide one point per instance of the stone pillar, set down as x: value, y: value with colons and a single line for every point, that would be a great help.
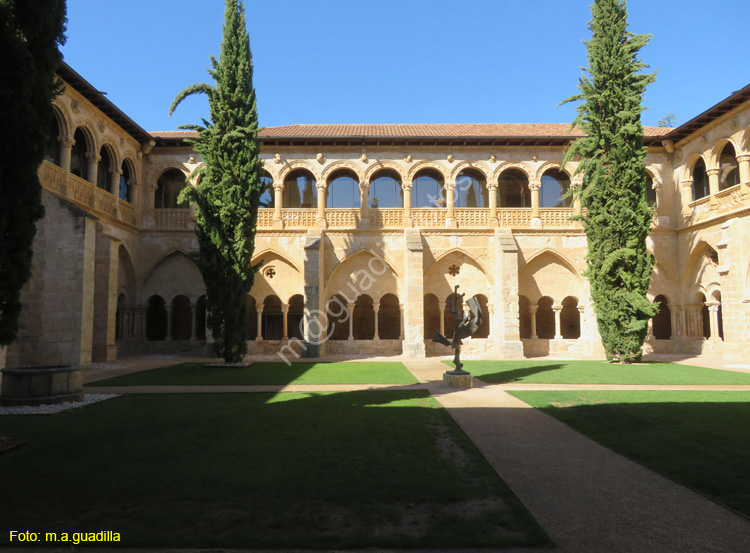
x: 364, y: 208
x: 534, y: 187
x: 114, y: 182
x: 558, y: 326
x: 441, y: 306
x: 687, y: 195
x: 413, y: 327
x: 650, y: 333
x: 350, y: 309
x: 315, y: 323
x: 168, y: 307
x: 491, y: 314
x: 532, y: 312
x: 674, y: 313
x: 406, y: 187
x: 743, y: 160
x: 142, y: 325
x: 376, y: 308
x: 285, y: 313
x: 505, y: 294
x: 194, y: 320
x: 581, y: 311
x: 278, y: 199
x: 259, y: 315
x: 320, y: 220
x: 401, y: 318
x: 577, y: 205
x: 114, y: 270
x: 492, y: 196
x: 450, y: 199
x: 93, y: 160
x: 713, y: 314
x: 713, y: 180
x: 66, y: 148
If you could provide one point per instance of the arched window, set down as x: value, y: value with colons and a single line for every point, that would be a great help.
x: 295, y: 317
x: 484, y: 328
x: 118, y: 323
x: 729, y: 170
x: 700, y: 180
x: 471, y: 189
x: 513, y: 189
x: 662, y: 322
x: 104, y: 172
x: 300, y: 189
x: 570, y: 319
x: 524, y: 317
x: 343, y: 189
x: 200, y: 316
x: 427, y: 189
x: 252, y: 318
x: 720, y: 319
x: 555, y: 184
x: 52, y: 146
x: 650, y: 192
x: 266, y: 191
x: 156, y: 319
x: 338, y: 314
x: 182, y: 318
x: 126, y: 182
x: 705, y: 326
x: 389, y: 318
x: 168, y: 188
x: 545, y: 319
x: 273, y: 319
x: 78, y: 163
x: 385, y: 190
x: 364, y: 318
x: 431, y: 316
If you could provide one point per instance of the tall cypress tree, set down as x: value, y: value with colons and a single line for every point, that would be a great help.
x: 31, y: 32
x: 229, y: 190
x: 613, y: 191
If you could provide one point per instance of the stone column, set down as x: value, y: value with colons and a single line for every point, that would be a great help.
x: 135, y: 193
x: 413, y: 327
x: 581, y: 311
x: 441, y: 306
x: 376, y: 308
x: 650, y: 333
x: 278, y: 199
x: 713, y: 314
x: 743, y: 160
x: 687, y: 195
x: 315, y: 323
x: 320, y: 220
x: 350, y: 309
x: 66, y: 148
x: 194, y: 320
x: 143, y: 322
x: 532, y: 312
x: 114, y: 182
x: 492, y: 196
x: 259, y: 313
x: 285, y: 314
x: 406, y: 187
x: 401, y: 319
x: 364, y: 208
x: 450, y: 200
x: 168, y: 307
x: 93, y: 160
x: 674, y: 321
x: 713, y: 180
x: 534, y: 187
x: 491, y: 313
x: 577, y: 205
x: 558, y: 327
x: 504, y: 280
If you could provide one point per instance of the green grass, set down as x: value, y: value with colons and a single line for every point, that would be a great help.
x: 196, y: 374
x: 700, y: 439
x: 336, y: 470
x: 598, y: 372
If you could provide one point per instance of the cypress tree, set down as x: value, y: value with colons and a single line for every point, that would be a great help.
x: 228, y: 194
x: 617, y: 217
x: 30, y: 34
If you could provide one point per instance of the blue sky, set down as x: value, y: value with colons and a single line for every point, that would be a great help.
x: 401, y: 61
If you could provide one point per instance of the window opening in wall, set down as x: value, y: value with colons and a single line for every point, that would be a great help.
x: 104, y: 171
x: 700, y: 180
x: 431, y: 316
x: 661, y: 324
x: 78, y: 163
x: 295, y: 316
x: 729, y: 170
x: 385, y: 190
x: 427, y: 189
x: 389, y: 318
x: 267, y: 197
x: 343, y: 190
x: 471, y: 189
x: 126, y: 179
x: 300, y: 190
x: 513, y: 189
x: 168, y: 188
x: 52, y: 146
x: 555, y: 184
x: 545, y: 319
x: 650, y: 192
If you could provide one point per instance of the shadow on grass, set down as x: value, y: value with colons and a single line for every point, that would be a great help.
x: 700, y: 439
x: 337, y: 470
x: 483, y: 370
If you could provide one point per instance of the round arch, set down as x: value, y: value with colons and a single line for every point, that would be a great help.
x: 298, y: 164
x: 384, y: 165
x: 504, y: 166
x: 427, y: 164
x: 476, y: 165
x: 342, y: 164
x: 569, y: 169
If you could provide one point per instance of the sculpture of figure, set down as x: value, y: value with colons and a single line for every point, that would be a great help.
x: 466, y: 326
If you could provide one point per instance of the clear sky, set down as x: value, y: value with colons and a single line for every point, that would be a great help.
x: 401, y: 61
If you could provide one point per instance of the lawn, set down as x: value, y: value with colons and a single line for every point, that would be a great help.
x: 328, y: 470
x: 598, y: 372
x: 700, y: 439
x: 196, y: 374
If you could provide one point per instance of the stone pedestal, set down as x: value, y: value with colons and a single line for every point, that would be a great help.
x: 458, y: 380
x: 41, y: 385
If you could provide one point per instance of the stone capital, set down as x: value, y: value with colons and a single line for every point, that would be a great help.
x: 713, y: 171
x: 743, y: 157
x: 534, y: 185
x: 321, y: 186
x: 278, y: 187
x: 492, y: 186
x: 94, y: 157
x: 406, y: 186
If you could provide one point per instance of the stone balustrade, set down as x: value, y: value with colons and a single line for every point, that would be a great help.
x: 173, y: 219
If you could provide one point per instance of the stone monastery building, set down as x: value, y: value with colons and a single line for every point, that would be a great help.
x: 375, y: 225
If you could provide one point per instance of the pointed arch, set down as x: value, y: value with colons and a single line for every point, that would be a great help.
x: 548, y: 273
x: 561, y: 257
x: 457, y: 267
x: 363, y: 272
x: 174, y: 273
x: 270, y: 252
x: 445, y: 254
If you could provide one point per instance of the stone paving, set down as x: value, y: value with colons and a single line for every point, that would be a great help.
x: 587, y: 497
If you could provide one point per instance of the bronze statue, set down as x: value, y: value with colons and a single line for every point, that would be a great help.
x: 466, y: 326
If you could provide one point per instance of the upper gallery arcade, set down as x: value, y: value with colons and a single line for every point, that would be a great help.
x: 429, y: 207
